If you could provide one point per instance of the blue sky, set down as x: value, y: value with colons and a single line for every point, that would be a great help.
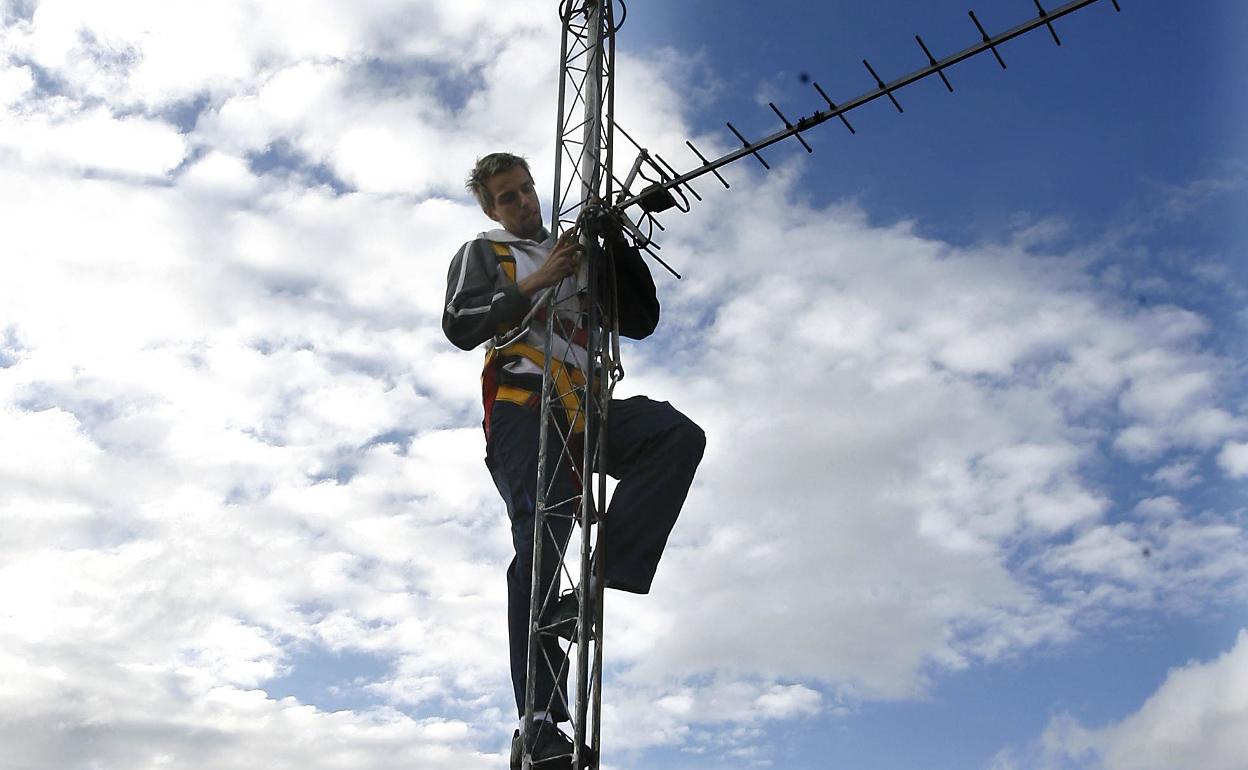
x: 972, y: 380
x: 1097, y: 134
x: 1122, y: 86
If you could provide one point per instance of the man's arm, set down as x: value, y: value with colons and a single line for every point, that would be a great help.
x: 476, y: 308
x: 639, y: 301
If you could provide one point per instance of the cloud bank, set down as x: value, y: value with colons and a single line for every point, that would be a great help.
x: 240, y: 448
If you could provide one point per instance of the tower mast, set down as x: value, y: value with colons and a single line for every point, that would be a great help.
x: 582, y: 182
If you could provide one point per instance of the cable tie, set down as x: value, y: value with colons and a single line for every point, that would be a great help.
x: 789, y: 125
x: 832, y: 106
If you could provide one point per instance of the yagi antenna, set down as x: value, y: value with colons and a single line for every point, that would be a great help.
x: 664, y: 188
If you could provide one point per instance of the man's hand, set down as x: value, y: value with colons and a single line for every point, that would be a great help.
x: 561, y: 263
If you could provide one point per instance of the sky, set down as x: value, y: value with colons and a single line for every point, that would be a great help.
x: 972, y: 380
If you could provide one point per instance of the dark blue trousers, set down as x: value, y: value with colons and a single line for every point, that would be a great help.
x: 652, y: 450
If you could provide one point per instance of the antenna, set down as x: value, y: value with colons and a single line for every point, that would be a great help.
x: 567, y: 648
x: 655, y: 197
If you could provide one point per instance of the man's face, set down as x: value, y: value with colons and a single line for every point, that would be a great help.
x: 516, y: 206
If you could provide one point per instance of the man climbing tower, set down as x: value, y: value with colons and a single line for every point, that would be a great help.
x: 493, y: 283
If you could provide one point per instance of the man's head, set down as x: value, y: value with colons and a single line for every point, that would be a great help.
x: 502, y: 184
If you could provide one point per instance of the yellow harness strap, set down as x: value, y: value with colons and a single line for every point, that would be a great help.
x: 505, y: 260
x: 565, y: 377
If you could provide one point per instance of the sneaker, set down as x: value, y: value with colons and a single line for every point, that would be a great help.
x: 552, y: 752
x: 563, y: 616
x: 553, y: 749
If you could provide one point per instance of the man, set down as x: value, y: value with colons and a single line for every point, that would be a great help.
x: 493, y: 283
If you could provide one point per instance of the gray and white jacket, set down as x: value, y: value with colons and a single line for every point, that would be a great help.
x: 483, y: 301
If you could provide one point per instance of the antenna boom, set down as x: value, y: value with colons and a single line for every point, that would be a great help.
x: 935, y: 67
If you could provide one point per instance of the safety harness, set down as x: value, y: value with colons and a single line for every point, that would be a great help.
x: 567, y: 379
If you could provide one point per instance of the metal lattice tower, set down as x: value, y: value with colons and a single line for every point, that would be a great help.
x: 582, y: 182
x: 586, y: 191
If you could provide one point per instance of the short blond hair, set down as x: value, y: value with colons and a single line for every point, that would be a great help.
x: 488, y: 166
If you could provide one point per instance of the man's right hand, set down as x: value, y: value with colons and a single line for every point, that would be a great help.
x: 561, y: 263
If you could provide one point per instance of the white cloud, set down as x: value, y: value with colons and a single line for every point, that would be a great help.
x: 733, y: 711
x: 93, y: 139
x: 56, y: 449
x: 1233, y: 459
x: 222, y: 173
x: 151, y: 52
x: 1160, y: 507
x: 1197, y: 718
x: 1181, y: 474
x: 15, y: 82
x: 1112, y: 551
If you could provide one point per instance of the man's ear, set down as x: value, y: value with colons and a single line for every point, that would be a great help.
x: 489, y: 212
